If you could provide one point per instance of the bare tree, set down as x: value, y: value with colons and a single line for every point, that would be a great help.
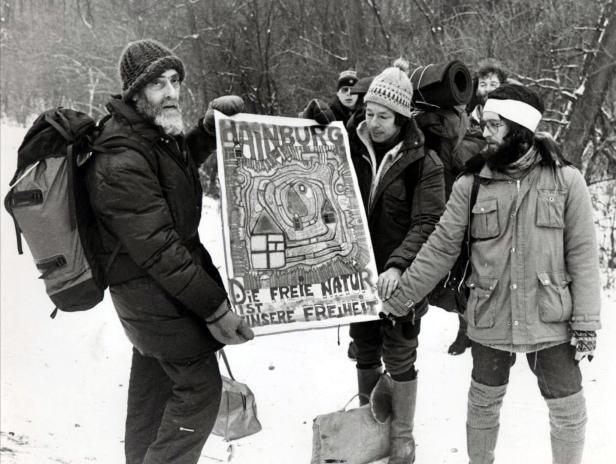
x: 598, y: 74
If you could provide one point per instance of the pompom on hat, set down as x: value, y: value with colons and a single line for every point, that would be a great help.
x: 393, y: 89
x: 144, y: 60
x: 347, y: 78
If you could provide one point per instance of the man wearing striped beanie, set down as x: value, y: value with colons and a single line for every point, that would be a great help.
x: 403, y: 190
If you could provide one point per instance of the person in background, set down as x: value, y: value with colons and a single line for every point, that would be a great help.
x: 341, y: 108
x: 490, y: 75
x: 166, y: 291
x: 534, y: 285
x: 345, y: 102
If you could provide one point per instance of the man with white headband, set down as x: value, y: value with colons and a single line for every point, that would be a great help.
x: 534, y: 280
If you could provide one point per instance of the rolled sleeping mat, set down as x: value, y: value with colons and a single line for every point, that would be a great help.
x: 444, y: 85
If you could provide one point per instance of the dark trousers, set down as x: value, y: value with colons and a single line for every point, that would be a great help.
x: 557, y: 372
x: 172, y: 408
x: 395, y: 343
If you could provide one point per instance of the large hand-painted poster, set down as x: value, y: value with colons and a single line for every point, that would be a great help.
x: 297, y: 250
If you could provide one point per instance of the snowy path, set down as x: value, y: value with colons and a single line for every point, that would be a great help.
x: 63, y: 382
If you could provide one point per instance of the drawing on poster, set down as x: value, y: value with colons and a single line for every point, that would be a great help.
x: 297, y: 244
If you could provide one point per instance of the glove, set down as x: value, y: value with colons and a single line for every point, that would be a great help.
x: 395, y: 306
x: 227, y: 104
x: 319, y: 111
x: 227, y: 327
x: 585, y: 342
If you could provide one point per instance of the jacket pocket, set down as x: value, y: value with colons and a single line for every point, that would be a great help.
x: 484, y: 223
x: 481, y: 311
x: 550, y: 209
x: 554, y: 297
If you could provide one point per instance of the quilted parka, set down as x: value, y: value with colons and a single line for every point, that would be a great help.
x: 163, y: 282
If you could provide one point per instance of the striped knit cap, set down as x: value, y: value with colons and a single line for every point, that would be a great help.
x: 144, y: 60
x: 393, y: 89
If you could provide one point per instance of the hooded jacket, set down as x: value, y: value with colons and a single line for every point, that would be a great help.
x: 163, y: 282
x: 534, y: 259
x: 404, y: 197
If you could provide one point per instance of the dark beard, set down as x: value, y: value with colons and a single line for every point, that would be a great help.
x: 503, y: 155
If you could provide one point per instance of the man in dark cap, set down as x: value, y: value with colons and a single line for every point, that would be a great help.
x: 345, y: 102
x: 167, y: 292
x: 534, y: 285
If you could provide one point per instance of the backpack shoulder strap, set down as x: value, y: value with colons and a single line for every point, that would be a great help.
x: 119, y: 142
x: 471, y: 204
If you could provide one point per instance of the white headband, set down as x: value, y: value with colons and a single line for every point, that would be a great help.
x: 519, y: 112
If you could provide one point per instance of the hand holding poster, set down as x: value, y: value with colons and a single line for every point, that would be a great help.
x: 297, y: 247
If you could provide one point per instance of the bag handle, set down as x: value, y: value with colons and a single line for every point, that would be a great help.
x: 353, y: 397
x: 224, y: 358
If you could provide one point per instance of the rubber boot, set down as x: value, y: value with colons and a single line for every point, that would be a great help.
x: 366, y: 380
x: 462, y: 342
x: 381, y: 399
x: 484, y: 404
x: 567, y: 428
x: 401, y: 441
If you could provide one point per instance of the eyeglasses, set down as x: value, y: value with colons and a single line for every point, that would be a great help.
x: 492, y: 125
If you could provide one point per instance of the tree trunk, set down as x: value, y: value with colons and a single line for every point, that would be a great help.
x: 593, y: 88
x: 355, y: 22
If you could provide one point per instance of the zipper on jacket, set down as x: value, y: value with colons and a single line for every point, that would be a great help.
x: 517, y: 182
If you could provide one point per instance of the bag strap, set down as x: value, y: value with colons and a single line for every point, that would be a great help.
x: 473, y: 200
x: 465, y: 253
x: 226, y: 361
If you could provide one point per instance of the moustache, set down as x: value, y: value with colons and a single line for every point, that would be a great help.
x: 171, y: 106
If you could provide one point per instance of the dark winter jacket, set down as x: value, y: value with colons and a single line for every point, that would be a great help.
x: 404, y: 197
x: 162, y: 282
x: 341, y: 112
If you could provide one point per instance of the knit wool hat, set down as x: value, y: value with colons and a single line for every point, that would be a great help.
x: 144, y: 60
x: 393, y: 89
x: 347, y: 78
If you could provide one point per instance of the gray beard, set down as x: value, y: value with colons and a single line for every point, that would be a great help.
x: 168, y: 119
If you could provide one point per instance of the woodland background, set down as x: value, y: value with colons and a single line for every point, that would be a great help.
x: 279, y: 54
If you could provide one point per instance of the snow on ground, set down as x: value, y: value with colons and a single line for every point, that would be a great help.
x: 64, y: 381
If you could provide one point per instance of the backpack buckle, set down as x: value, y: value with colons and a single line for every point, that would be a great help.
x: 49, y: 265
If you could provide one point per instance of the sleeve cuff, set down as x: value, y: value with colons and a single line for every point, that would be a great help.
x: 202, y: 299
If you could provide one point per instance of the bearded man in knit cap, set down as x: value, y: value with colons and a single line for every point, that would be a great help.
x: 167, y: 292
x: 534, y: 285
x: 403, y: 191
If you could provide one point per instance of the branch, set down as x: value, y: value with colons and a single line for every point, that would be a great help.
x: 333, y: 55
x: 555, y: 121
x: 377, y: 15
